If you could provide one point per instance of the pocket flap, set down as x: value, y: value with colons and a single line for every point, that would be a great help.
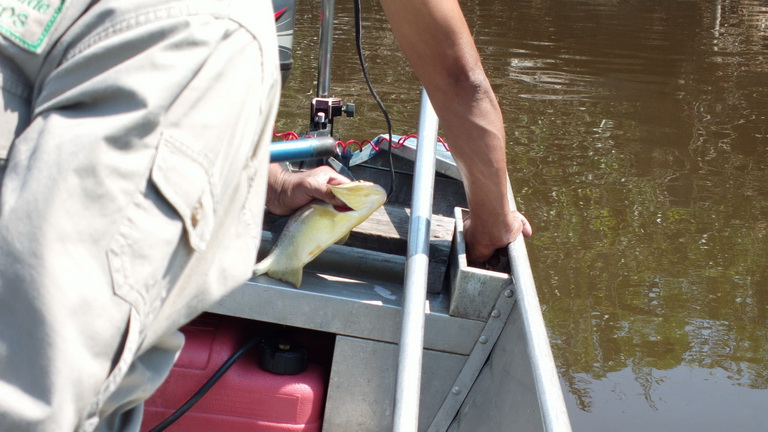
x: 182, y: 176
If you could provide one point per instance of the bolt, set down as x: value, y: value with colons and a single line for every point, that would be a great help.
x: 495, y: 313
x: 456, y: 391
x: 483, y: 340
x: 508, y: 293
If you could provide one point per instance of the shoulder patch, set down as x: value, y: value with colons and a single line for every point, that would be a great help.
x: 28, y: 22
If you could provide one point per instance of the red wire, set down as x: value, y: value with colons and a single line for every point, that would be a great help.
x: 290, y: 135
x: 286, y: 136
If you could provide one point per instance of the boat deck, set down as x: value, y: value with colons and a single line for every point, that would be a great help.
x: 486, y: 359
x: 353, y: 292
x: 356, y: 294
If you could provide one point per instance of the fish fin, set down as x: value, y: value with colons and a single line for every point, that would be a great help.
x: 292, y: 276
x: 324, y: 210
x: 262, y: 266
x: 343, y: 238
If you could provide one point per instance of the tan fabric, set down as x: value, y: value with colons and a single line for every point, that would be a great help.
x: 131, y: 200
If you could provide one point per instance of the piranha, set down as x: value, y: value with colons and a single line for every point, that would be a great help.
x: 316, y: 226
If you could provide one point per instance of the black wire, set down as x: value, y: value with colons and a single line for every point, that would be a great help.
x: 206, y: 387
x: 359, y: 44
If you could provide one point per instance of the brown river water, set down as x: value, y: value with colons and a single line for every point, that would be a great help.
x: 638, y: 148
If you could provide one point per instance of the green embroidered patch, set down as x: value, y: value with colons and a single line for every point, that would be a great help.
x: 28, y: 22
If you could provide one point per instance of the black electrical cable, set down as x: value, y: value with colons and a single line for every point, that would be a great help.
x: 207, y: 386
x: 359, y: 44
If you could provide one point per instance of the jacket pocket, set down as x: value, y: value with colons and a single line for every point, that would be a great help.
x: 183, y: 177
x: 170, y: 220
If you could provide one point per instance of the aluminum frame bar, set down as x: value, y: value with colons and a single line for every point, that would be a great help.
x: 550, y: 394
x: 326, y: 45
x: 408, y: 384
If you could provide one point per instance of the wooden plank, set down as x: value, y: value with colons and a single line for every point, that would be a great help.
x: 389, y: 227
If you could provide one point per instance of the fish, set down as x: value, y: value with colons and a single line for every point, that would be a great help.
x: 318, y: 225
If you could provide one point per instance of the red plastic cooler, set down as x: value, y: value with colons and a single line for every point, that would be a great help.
x: 246, y: 398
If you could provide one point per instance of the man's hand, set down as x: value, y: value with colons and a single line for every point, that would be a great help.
x: 289, y: 191
x: 483, y: 238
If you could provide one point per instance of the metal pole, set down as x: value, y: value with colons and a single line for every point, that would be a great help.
x: 550, y: 394
x: 408, y: 390
x: 326, y: 43
x: 302, y: 149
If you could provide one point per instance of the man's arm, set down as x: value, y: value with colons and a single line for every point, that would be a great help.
x: 435, y: 39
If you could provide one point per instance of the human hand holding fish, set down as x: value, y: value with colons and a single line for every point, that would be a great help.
x: 316, y: 226
x: 288, y: 191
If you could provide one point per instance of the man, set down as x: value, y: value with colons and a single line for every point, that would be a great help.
x: 437, y: 43
x: 135, y: 137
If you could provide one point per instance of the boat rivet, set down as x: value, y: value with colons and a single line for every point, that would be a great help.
x: 483, y: 340
x: 495, y: 313
x: 456, y: 391
x: 508, y: 293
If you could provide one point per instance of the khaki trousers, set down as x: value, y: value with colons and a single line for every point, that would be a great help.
x: 136, y: 135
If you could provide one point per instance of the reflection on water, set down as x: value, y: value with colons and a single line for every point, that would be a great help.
x: 638, y: 145
x: 672, y: 401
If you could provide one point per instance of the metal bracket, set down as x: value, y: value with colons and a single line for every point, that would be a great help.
x: 475, y: 361
x: 323, y: 110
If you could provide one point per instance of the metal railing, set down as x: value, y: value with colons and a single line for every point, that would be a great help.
x: 408, y: 385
